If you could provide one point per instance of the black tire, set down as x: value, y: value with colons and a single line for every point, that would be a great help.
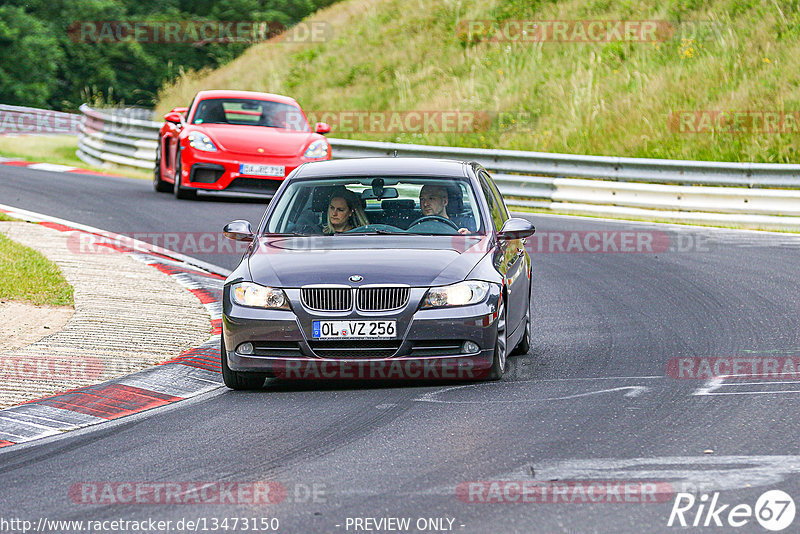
x: 158, y: 184
x: 179, y: 191
x: 236, y: 379
x: 500, y: 345
x: 524, y: 344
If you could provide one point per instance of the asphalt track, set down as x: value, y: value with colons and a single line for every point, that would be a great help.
x: 595, y: 401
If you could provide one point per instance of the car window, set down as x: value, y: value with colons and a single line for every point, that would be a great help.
x: 251, y: 112
x: 496, y: 208
x: 393, y: 207
x: 498, y: 196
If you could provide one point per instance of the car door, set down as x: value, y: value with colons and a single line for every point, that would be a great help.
x: 511, y: 260
x: 170, y: 147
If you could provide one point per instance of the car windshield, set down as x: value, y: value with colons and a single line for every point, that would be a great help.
x: 377, y: 205
x: 251, y: 112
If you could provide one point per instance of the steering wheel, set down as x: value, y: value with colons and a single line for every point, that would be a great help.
x: 435, y: 218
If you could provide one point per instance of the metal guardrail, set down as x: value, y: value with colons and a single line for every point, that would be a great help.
x: 19, y: 120
x: 760, y: 194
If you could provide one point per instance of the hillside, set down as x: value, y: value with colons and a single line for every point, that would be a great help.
x: 605, y: 98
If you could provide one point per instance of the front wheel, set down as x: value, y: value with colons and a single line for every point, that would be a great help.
x: 500, y: 345
x: 524, y: 344
x: 158, y: 183
x: 177, y: 189
x: 237, y: 379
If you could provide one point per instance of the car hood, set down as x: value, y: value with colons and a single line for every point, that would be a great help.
x: 248, y: 139
x: 415, y: 261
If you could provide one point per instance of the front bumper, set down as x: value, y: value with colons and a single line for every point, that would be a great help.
x: 219, y: 171
x: 429, y: 343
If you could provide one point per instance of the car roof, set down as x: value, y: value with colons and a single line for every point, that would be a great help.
x: 225, y: 93
x: 383, y: 166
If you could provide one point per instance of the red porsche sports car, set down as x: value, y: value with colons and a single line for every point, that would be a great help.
x: 238, y: 141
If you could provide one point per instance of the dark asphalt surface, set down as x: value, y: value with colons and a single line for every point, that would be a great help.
x: 592, y: 401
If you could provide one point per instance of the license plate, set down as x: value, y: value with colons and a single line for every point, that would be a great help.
x: 262, y: 170
x: 354, y: 329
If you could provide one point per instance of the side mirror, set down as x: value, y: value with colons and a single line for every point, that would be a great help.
x: 322, y: 128
x: 174, y: 117
x: 238, y: 230
x: 516, y: 228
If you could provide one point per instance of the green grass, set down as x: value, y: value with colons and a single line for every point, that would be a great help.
x: 26, y: 275
x: 654, y: 219
x: 610, y: 98
x: 4, y: 217
x: 59, y: 149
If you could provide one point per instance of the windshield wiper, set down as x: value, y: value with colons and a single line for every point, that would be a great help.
x: 373, y: 232
x: 284, y: 234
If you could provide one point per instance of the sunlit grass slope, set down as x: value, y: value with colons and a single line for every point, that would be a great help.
x: 608, y: 98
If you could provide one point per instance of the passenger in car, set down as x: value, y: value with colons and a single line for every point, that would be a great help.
x: 210, y: 112
x: 433, y: 200
x: 345, y: 212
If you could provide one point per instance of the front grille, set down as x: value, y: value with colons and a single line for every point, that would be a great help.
x: 263, y: 186
x: 287, y: 349
x: 382, y: 298
x: 355, y: 348
x: 206, y: 174
x: 436, y: 347
x: 327, y: 298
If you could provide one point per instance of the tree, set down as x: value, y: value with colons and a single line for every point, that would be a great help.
x: 29, y: 60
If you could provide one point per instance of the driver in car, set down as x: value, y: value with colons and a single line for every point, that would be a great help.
x: 433, y: 201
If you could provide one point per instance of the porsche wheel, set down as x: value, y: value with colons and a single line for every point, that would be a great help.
x: 177, y: 189
x: 158, y: 184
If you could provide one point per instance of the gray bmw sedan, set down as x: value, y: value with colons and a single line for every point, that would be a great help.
x: 378, y: 268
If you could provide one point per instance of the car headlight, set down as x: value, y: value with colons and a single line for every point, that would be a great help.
x: 460, y: 294
x: 256, y: 296
x: 201, y: 141
x: 317, y: 149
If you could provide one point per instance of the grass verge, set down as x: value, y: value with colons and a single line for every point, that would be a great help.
x: 655, y: 219
x: 613, y: 98
x: 27, y: 276
x: 58, y: 149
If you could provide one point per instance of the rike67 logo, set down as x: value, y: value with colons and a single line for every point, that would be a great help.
x: 774, y: 510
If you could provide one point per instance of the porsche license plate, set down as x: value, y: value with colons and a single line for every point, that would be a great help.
x: 354, y: 329
x: 262, y: 170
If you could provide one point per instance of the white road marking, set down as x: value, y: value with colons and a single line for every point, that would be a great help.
x: 795, y: 391
x: 51, y: 167
x: 713, y: 384
x: 592, y: 378
x: 686, y: 473
x: 710, y: 385
x: 635, y: 391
